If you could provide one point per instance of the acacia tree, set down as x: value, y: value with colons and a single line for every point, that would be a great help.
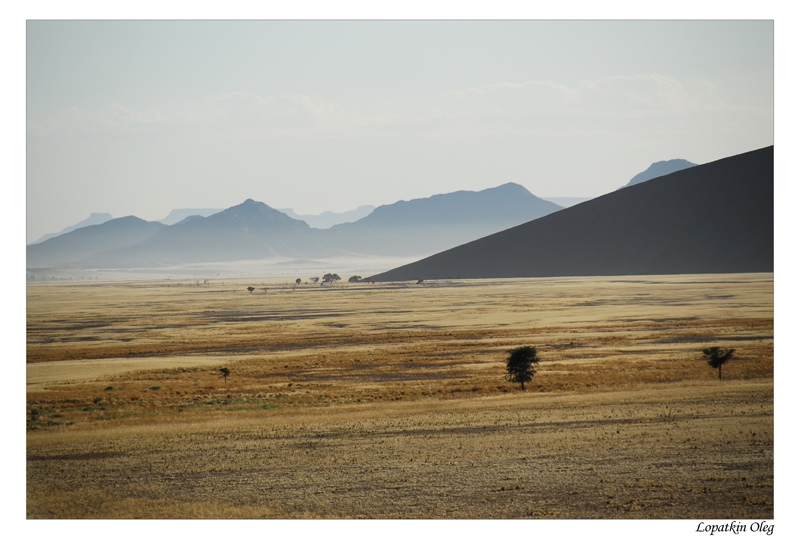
x: 717, y: 356
x: 519, y: 365
x: 225, y: 372
x: 330, y: 278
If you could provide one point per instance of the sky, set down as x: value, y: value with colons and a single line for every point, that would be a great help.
x: 142, y: 117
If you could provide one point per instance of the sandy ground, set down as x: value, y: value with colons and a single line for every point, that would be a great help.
x: 388, y: 400
x: 46, y: 374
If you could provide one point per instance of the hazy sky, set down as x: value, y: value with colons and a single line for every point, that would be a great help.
x: 142, y: 117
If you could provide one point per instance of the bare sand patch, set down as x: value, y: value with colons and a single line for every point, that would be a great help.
x: 45, y: 374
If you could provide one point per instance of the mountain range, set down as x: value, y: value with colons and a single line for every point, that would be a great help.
x: 321, y: 221
x: 92, y: 220
x: 712, y: 218
x: 86, y: 242
x: 253, y: 230
x: 176, y: 215
x: 250, y: 230
x: 329, y: 218
x: 428, y: 225
x: 613, y: 226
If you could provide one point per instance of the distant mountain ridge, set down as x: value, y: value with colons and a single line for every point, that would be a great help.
x: 713, y: 218
x: 250, y: 230
x: 320, y: 221
x: 659, y: 169
x: 253, y: 230
x: 328, y: 219
x: 440, y: 221
x: 85, y: 242
x: 176, y: 215
x: 93, y: 219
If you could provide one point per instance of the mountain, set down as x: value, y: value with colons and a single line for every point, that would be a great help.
x: 713, y: 218
x: 658, y: 169
x: 327, y: 219
x: 94, y: 219
x: 431, y: 224
x: 253, y: 230
x: 250, y: 230
x: 74, y: 246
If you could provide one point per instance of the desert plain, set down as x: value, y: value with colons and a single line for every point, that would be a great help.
x: 388, y: 401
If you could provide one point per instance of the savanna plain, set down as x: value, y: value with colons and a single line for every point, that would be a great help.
x: 359, y: 400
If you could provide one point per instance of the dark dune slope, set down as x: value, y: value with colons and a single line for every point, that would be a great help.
x: 714, y: 218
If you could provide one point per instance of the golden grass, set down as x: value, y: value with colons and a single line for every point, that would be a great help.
x: 388, y: 400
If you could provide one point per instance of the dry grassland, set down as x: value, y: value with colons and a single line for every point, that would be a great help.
x: 388, y: 400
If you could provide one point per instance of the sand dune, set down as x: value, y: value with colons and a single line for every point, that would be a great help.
x: 714, y: 218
